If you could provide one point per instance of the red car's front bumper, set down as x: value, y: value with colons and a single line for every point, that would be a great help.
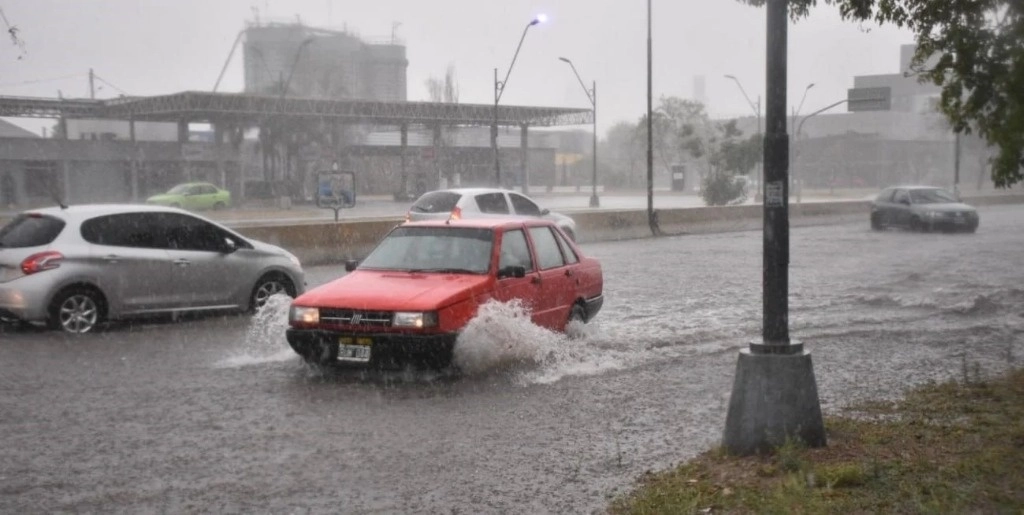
x: 320, y: 346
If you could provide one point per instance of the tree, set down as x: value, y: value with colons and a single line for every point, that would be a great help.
x: 444, y: 90
x: 971, y: 49
x: 731, y: 157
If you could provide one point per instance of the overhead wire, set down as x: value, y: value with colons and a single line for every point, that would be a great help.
x: 39, y: 81
x: 108, y: 83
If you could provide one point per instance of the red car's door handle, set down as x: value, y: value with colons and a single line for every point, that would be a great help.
x: 535, y: 280
x: 569, y: 273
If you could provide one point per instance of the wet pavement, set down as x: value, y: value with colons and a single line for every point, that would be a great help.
x: 216, y: 414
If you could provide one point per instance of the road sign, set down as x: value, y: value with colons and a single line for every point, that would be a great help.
x: 869, y: 99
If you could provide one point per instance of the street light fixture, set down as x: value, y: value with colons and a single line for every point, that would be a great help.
x: 499, y: 88
x: 800, y: 126
x: 793, y: 135
x: 757, y: 112
x: 592, y: 96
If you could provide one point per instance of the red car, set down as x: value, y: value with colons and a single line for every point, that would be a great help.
x: 408, y: 300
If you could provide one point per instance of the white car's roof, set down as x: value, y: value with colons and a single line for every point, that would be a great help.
x: 472, y: 191
x: 82, y: 211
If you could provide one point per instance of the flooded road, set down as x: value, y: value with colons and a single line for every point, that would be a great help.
x: 218, y: 415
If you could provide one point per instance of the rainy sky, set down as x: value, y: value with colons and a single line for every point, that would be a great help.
x: 151, y: 47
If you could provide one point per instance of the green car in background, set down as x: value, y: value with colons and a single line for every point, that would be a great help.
x: 193, y: 195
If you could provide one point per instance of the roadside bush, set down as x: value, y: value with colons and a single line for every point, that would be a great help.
x: 722, y: 189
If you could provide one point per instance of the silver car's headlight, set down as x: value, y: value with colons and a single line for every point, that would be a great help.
x: 418, y: 319
x: 304, y: 315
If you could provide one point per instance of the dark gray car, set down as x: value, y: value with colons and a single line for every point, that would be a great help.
x: 922, y: 208
x: 72, y: 268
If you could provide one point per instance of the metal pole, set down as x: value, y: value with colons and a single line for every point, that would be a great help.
x: 92, y: 85
x: 760, y: 167
x: 594, y: 201
x: 775, y: 297
x: 494, y: 132
x: 956, y: 164
x: 757, y: 112
x: 499, y: 88
x: 651, y: 220
x: 799, y: 129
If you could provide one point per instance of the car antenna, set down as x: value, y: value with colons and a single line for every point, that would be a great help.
x: 56, y: 198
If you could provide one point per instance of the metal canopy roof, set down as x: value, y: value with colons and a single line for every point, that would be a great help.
x: 251, y: 110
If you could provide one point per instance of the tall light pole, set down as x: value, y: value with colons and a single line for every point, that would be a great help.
x: 775, y: 395
x: 800, y: 126
x: 792, y: 142
x: 652, y: 220
x: 757, y: 113
x: 499, y: 88
x: 592, y: 96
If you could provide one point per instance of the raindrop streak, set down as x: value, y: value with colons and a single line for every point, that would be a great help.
x: 264, y: 340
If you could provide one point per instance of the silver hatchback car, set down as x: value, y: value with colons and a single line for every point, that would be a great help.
x: 459, y: 203
x: 73, y: 268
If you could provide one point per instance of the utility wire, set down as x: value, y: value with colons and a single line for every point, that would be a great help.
x: 105, y: 81
x: 38, y: 81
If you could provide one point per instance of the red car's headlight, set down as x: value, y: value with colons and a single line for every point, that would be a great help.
x: 417, y: 319
x: 304, y: 315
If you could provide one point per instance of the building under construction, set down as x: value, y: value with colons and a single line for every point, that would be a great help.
x: 313, y: 101
x: 303, y: 61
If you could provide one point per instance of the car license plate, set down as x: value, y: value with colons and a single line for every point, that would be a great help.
x: 354, y: 348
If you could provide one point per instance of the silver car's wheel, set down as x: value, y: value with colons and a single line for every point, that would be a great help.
x: 268, y: 286
x: 76, y: 311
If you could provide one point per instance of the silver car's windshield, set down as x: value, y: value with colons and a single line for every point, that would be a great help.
x: 935, y: 196
x: 433, y: 249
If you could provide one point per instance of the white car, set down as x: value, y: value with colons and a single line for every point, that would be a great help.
x: 459, y: 203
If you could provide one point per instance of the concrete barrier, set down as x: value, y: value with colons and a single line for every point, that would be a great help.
x: 333, y: 242
x: 324, y: 242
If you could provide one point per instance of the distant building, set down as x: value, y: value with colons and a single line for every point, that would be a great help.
x: 9, y: 130
x: 911, y: 142
x: 320, y: 63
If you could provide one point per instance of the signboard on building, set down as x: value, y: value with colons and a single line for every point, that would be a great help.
x: 869, y: 99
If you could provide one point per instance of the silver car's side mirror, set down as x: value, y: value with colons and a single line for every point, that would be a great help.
x: 545, y: 212
x: 229, y: 246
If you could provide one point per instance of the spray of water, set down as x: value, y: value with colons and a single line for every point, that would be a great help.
x: 502, y: 338
x: 265, y: 337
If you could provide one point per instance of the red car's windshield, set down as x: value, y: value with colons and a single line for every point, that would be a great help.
x: 433, y: 249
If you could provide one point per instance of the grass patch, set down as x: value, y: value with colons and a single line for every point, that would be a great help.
x: 945, y: 448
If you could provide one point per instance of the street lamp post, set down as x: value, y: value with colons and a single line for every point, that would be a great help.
x: 775, y: 395
x: 592, y: 96
x: 800, y: 127
x: 499, y: 88
x: 792, y: 142
x: 757, y: 113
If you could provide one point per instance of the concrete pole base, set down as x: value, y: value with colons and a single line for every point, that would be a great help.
x: 774, y: 399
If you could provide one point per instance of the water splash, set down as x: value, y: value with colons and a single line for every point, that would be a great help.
x: 502, y: 338
x: 265, y: 340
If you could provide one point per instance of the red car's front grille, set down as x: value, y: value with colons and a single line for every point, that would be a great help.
x: 355, y: 317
